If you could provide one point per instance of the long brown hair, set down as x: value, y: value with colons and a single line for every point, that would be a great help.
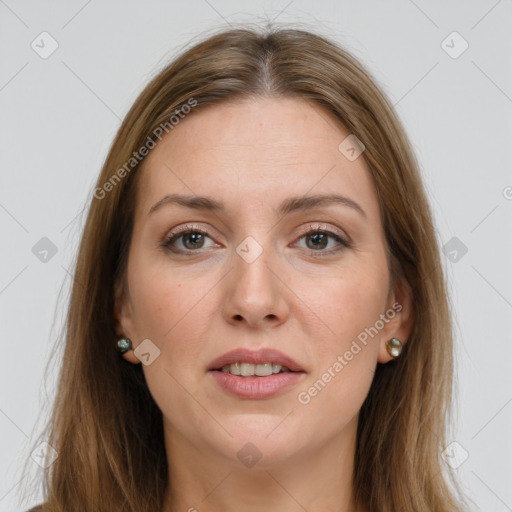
x: 105, y: 426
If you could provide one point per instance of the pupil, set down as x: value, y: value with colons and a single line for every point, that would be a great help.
x: 196, y: 238
x: 318, y: 237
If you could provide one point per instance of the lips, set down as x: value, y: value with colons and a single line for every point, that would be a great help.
x: 265, y: 355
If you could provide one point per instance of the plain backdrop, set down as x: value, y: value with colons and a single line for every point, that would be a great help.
x: 446, y: 66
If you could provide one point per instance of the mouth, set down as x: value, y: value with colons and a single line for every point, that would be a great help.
x: 245, y: 369
x: 262, y: 362
x: 255, y: 375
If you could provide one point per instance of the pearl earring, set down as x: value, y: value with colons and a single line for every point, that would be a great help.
x: 394, y: 347
x: 123, y: 345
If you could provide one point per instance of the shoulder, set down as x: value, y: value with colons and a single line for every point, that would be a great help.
x: 38, y: 508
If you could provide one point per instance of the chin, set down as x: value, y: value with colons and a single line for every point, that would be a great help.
x: 260, y: 445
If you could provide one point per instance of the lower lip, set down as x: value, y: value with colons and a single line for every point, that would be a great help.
x: 256, y: 388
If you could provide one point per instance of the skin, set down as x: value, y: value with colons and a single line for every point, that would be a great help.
x: 251, y: 155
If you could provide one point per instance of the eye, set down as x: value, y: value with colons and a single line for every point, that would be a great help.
x: 189, y: 237
x: 317, y: 239
x: 192, y: 238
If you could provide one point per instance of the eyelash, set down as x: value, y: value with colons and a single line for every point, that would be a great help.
x: 186, y: 230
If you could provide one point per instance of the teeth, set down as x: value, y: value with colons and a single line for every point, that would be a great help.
x: 235, y: 369
x: 249, y: 369
x: 276, y: 368
x: 262, y: 370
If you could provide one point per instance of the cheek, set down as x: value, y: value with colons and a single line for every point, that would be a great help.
x: 163, y: 298
x: 346, y: 303
x: 173, y: 310
x: 346, y: 356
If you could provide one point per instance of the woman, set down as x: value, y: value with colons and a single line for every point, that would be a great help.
x: 260, y: 250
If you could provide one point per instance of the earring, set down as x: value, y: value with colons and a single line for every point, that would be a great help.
x: 394, y: 347
x: 123, y: 345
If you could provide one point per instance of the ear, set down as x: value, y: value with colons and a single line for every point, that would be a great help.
x: 124, y: 318
x: 400, y: 313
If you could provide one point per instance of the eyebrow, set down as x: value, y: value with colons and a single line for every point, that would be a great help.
x: 289, y: 205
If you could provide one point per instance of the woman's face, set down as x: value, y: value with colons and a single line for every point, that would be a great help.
x: 250, y: 274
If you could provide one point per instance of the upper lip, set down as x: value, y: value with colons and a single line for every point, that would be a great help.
x: 264, y: 355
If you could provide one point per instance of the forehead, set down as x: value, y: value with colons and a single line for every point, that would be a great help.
x: 255, y: 151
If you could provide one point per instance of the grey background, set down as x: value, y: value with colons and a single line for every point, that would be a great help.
x: 59, y: 115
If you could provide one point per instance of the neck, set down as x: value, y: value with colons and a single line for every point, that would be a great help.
x: 315, y: 480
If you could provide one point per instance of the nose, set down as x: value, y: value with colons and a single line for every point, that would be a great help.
x: 255, y: 293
